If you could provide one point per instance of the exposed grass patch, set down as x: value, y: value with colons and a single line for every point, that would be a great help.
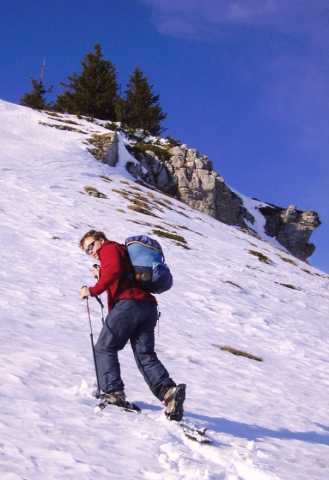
x: 254, y: 268
x: 288, y: 260
x: 123, y: 193
x: 183, y: 227
x: 144, y: 224
x: 121, y: 210
x: 160, y: 227
x: 163, y: 204
x: 178, y: 239
x: 111, y: 126
x: 288, y: 285
x: 133, y: 134
x: 319, y: 275
x: 100, y: 144
x: 173, y: 142
x: 137, y: 189
x: 170, y: 235
x: 142, y: 198
x: 141, y: 148
x: 88, y: 119
x: 240, y: 353
x: 52, y: 114
x: 106, y: 179
x: 63, y: 127
x: 183, y: 245
x: 150, y: 194
x: 314, y: 274
x: 166, y: 201
x: 186, y: 216
x: 140, y: 203
x: 156, y: 207
x: 151, y: 188
x: 93, y: 192
x: 234, y: 284
x: 307, y: 271
x: 261, y: 257
x: 138, y: 209
x: 147, y: 202
x: 68, y: 122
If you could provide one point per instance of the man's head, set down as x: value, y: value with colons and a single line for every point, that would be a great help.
x: 92, y: 241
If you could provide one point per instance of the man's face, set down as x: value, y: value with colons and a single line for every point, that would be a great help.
x: 91, y: 246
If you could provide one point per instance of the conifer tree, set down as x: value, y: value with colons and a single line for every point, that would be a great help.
x: 94, y: 91
x: 141, y: 108
x: 35, y: 98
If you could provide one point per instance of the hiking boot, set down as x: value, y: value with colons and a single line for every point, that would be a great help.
x: 117, y: 398
x: 174, y: 400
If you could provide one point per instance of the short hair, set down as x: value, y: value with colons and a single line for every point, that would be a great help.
x: 95, y: 234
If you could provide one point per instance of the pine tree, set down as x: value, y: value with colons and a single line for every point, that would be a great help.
x: 94, y: 91
x: 35, y: 98
x: 141, y: 108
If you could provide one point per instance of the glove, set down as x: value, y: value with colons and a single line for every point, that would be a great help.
x: 84, y: 292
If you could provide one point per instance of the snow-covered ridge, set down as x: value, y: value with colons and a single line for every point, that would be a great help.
x: 268, y: 419
x: 188, y: 175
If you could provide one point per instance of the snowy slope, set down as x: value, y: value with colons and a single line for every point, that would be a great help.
x: 268, y: 420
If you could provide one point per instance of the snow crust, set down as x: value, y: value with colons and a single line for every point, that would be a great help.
x: 268, y: 420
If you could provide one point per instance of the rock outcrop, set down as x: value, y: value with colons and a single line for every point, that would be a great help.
x: 199, y: 186
x: 189, y: 176
x: 104, y: 147
x: 185, y: 174
x: 292, y: 228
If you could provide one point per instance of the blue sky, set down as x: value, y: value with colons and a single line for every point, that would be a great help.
x: 244, y: 81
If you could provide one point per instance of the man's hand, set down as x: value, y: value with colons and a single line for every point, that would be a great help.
x: 84, y: 292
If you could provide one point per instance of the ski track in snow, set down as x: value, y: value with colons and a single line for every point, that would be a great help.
x: 268, y: 420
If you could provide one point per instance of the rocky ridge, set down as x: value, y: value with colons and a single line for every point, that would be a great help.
x: 184, y: 173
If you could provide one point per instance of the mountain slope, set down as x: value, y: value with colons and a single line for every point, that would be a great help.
x: 268, y: 419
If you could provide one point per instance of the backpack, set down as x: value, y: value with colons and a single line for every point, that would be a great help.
x: 148, y: 262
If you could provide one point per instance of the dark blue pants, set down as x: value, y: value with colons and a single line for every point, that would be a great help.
x: 135, y: 321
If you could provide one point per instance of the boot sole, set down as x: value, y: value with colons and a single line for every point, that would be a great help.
x: 179, y: 398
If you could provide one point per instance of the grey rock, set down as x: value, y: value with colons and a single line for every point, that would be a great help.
x: 152, y: 170
x: 104, y: 147
x: 189, y: 176
x: 292, y: 228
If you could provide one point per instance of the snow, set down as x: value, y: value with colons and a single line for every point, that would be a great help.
x: 268, y: 420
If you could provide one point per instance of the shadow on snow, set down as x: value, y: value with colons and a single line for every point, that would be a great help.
x: 256, y: 432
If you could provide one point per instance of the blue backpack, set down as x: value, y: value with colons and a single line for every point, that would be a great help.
x: 147, y: 259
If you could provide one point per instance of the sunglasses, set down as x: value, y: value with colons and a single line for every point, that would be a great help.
x: 90, y: 248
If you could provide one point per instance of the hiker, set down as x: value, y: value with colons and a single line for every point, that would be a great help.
x: 132, y: 315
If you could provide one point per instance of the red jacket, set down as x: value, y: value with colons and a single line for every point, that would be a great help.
x: 114, y: 276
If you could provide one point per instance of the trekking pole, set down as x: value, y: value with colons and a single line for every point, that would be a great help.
x: 102, y: 308
x: 159, y: 315
x: 96, y: 267
x: 98, y: 392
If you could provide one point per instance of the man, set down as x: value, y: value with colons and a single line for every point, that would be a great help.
x: 133, y: 315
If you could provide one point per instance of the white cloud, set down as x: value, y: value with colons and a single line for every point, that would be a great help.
x: 294, y: 80
x: 193, y: 16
